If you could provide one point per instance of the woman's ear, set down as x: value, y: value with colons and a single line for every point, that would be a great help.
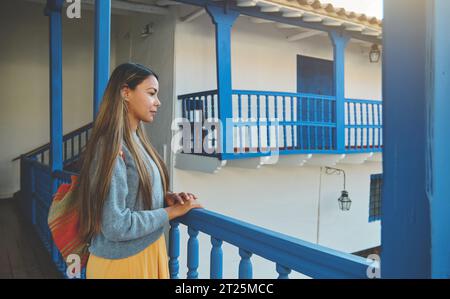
x: 125, y: 93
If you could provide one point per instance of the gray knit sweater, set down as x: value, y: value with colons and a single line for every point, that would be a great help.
x: 127, y: 228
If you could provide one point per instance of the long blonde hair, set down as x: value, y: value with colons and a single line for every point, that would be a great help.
x: 111, y: 127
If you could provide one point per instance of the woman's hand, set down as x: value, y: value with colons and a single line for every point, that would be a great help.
x: 179, y: 209
x: 174, y: 198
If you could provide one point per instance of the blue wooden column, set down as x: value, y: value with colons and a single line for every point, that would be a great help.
x: 438, y: 135
x: 102, y: 50
x: 405, y: 228
x: 53, y: 11
x: 340, y: 42
x: 223, y: 20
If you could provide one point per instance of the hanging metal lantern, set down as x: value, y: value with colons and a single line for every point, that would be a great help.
x: 345, y: 202
x: 375, y: 54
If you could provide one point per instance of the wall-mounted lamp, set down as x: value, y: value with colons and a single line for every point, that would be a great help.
x: 344, y: 201
x: 374, y: 54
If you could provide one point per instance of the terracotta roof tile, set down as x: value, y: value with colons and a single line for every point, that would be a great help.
x: 329, y: 10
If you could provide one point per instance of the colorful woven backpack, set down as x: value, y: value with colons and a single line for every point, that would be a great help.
x: 64, y: 221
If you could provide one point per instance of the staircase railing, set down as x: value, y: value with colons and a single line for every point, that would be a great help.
x: 73, y: 144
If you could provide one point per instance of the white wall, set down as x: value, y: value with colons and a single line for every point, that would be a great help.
x: 280, y: 199
x: 24, y: 81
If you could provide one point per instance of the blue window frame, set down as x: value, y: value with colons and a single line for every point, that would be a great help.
x: 376, y: 184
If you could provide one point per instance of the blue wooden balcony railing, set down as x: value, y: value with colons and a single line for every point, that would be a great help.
x: 36, y: 186
x: 363, y: 125
x: 287, y: 253
x: 36, y: 199
x: 264, y: 123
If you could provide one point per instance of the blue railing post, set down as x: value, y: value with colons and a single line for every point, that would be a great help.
x: 53, y: 10
x: 102, y: 50
x: 223, y: 19
x: 245, y: 265
x: 192, y: 261
x: 25, y: 182
x: 216, y: 259
x: 174, y: 249
x: 340, y: 42
x: 32, y: 191
x: 439, y: 138
x: 283, y: 272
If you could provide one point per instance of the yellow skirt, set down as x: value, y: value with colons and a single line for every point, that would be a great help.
x: 150, y: 263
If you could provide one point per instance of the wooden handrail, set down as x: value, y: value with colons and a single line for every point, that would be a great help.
x: 310, y: 259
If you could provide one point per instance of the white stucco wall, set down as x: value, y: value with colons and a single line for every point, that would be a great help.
x: 24, y: 81
x: 280, y: 199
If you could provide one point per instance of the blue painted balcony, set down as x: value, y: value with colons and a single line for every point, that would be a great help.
x: 265, y: 123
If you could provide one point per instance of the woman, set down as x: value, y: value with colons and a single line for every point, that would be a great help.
x: 123, y: 184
